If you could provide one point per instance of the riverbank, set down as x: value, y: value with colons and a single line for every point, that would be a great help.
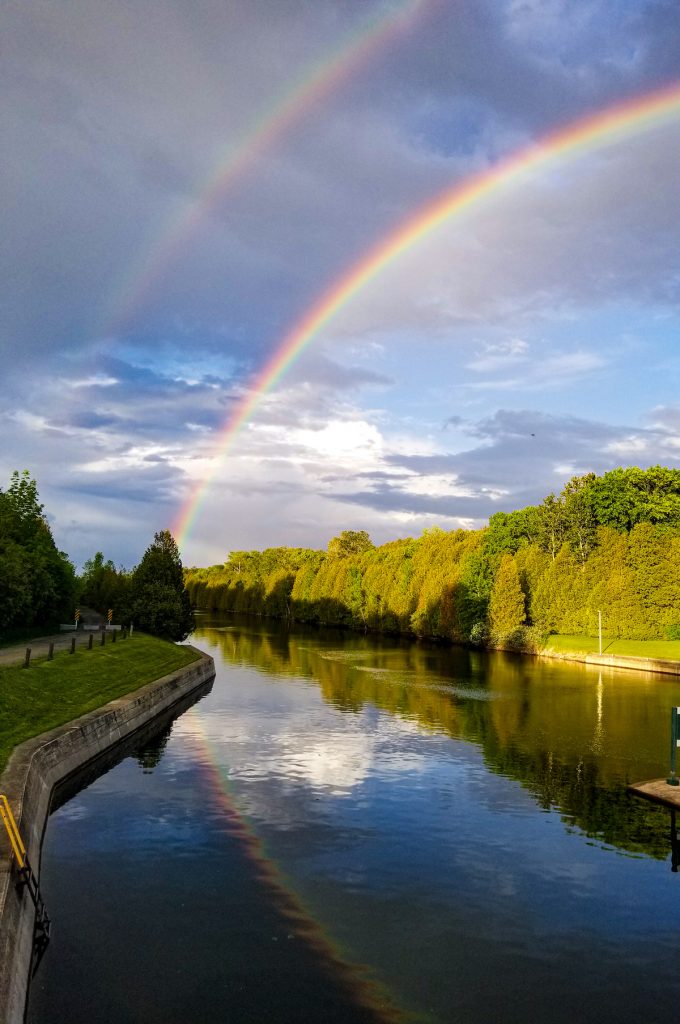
x: 51, y: 693
x: 667, y: 667
x: 37, y: 765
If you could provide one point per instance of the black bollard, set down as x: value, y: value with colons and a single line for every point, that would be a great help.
x: 90, y: 641
x: 103, y: 639
x: 50, y: 651
x: 113, y: 637
x: 73, y: 645
x: 27, y: 659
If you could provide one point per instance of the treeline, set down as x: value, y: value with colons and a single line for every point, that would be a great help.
x: 39, y: 587
x: 152, y: 596
x: 609, y: 543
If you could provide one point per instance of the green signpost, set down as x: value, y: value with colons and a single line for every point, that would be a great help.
x: 673, y: 780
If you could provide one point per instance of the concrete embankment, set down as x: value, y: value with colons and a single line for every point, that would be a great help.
x: 662, y: 665
x: 34, y: 770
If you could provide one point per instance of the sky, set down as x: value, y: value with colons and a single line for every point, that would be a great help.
x: 183, y: 182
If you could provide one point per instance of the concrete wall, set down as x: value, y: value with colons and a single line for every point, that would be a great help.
x: 662, y: 665
x: 34, y: 770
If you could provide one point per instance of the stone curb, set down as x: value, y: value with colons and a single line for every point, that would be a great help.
x: 639, y: 664
x: 33, y: 771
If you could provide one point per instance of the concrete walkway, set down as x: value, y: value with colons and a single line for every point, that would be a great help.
x: 40, y: 646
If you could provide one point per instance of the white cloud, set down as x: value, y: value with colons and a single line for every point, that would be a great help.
x: 96, y: 381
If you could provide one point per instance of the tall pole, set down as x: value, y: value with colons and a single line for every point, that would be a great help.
x: 599, y: 629
x: 672, y: 779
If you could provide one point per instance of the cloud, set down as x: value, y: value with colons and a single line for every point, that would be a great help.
x: 128, y: 341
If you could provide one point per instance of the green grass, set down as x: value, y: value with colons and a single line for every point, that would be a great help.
x: 51, y: 693
x: 669, y: 649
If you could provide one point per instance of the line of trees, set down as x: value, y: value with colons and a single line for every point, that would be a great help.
x: 39, y: 586
x: 153, y: 595
x: 609, y: 542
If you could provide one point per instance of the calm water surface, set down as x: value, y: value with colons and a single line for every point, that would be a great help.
x: 358, y: 829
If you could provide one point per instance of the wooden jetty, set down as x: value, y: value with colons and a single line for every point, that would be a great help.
x: 657, y: 790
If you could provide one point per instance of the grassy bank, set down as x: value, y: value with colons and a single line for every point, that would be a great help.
x: 669, y: 649
x: 51, y: 693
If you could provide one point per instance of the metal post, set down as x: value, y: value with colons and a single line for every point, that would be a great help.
x: 27, y: 659
x: 673, y: 780
x: 103, y: 639
x: 113, y: 637
x: 90, y: 641
x: 73, y: 645
x: 599, y: 629
x: 50, y: 651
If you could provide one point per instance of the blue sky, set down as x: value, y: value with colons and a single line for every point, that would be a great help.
x: 533, y: 338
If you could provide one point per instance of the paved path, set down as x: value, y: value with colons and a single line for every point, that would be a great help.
x: 40, y: 645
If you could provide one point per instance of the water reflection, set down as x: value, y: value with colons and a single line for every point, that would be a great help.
x: 149, y: 754
x: 353, y: 828
x: 574, y: 738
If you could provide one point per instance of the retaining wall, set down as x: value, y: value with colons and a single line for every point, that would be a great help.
x: 663, y: 665
x: 34, y: 770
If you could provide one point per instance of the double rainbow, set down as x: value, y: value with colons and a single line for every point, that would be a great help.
x: 238, y: 157
x: 585, y: 135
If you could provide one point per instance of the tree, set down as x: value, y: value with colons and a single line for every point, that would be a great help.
x: 37, y: 581
x: 552, y: 526
x: 509, y: 531
x: 623, y: 498
x: 506, y: 607
x: 103, y: 587
x: 579, y: 517
x: 159, y: 601
x: 350, y: 542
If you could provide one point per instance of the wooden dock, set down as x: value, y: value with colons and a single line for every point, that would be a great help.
x: 659, y: 791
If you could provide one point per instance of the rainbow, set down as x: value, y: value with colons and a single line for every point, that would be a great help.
x: 584, y: 135
x: 308, y: 90
x: 356, y: 980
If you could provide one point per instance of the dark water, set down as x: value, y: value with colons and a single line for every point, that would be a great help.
x: 352, y: 829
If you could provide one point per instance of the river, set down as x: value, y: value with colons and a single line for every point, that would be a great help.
x: 351, y: 828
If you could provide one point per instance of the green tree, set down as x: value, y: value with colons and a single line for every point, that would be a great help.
x: 349, y: 542
x: 579, y: 517
x: 159, y: 601
x: 623, y: 498
x: 506, y: 606
x: 37, y: 582
x: 551, y: 525
x: 103, y: 587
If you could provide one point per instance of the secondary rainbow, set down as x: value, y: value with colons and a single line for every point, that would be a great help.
x: 237, y: 158
x: 586, y: 134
